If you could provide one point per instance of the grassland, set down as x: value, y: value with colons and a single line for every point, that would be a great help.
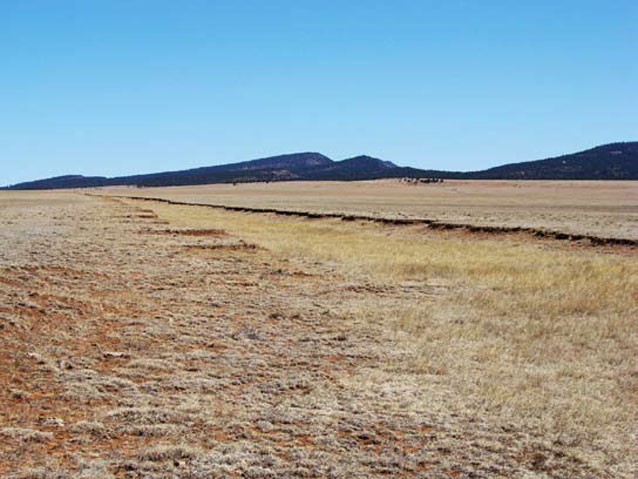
x: 600, y: 208
x: 142, y: 339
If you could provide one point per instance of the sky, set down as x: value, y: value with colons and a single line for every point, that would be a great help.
x: 120, y: 87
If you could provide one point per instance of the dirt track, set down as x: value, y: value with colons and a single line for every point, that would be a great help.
x: 129, y: 349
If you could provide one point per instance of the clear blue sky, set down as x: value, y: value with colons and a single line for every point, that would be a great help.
x: 117, y: 87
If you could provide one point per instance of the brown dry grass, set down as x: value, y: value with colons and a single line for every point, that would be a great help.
x: 542, y: 337
x: 599, y: 208
x: 325, y: 349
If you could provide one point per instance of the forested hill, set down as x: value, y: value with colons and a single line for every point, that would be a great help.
x: 615, y: 161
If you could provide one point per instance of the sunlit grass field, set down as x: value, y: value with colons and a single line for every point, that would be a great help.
x: 531, y: 332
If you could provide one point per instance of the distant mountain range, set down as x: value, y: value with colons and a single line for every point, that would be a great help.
x: 615, y: 161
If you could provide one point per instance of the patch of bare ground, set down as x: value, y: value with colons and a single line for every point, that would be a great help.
x: 125, y: 354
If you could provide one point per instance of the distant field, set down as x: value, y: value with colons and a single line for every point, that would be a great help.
x: 599, y: 208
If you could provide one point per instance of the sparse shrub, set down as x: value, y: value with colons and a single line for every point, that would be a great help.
x: 25, y: 435
x: 165, y: 452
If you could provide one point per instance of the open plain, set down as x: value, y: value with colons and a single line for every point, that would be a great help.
x: 599, y: 208
x: 141, y: 339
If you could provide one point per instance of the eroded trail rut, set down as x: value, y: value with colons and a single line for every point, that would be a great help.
x: 129, y: 349
x: 539, y: 233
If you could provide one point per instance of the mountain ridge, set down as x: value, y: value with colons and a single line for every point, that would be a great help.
x: 605, y: 162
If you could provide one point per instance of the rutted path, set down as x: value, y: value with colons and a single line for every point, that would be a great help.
x: 130, y: 348
x: 583, y: 239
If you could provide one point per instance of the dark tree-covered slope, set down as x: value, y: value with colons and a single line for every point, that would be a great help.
x: 615, y: 161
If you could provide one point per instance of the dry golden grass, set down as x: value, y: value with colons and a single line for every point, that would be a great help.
x: 599, y: 208
x: 541, y: 336
x: 150, y: 340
